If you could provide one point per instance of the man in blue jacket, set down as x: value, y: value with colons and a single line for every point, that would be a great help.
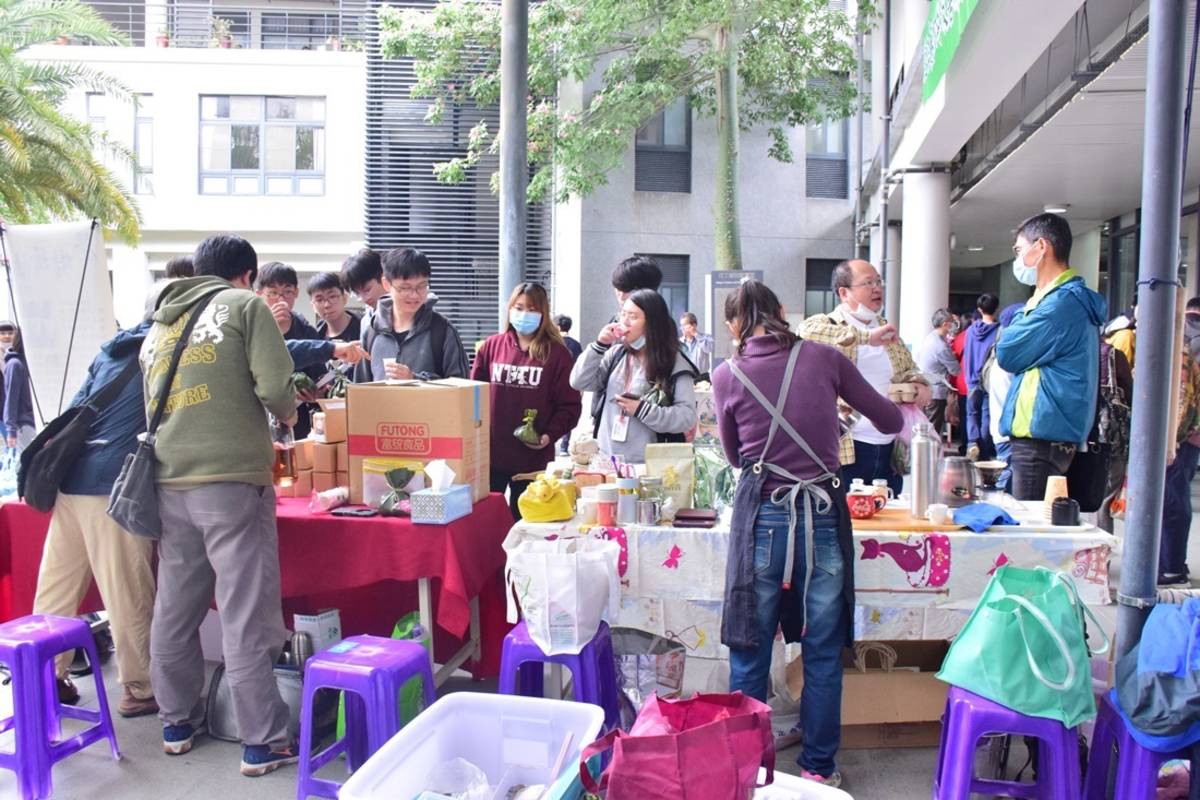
x: 83, y: 541
x: 1052, y: 349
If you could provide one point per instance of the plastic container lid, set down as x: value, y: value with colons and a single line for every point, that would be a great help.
x: 606, y: 493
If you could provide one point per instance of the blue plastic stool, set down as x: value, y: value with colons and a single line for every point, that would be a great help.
x: 593, y: 670
x: 370, y: 670
x: 968, y: 717
x: 1137, y: 766
x: 28, y: 646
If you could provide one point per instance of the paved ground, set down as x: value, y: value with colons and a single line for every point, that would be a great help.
x: 211, y: 769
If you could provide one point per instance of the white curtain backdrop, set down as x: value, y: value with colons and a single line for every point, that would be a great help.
x: 45, y: 270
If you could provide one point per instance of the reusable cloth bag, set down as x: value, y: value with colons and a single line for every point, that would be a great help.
x: 1023, y: 646
x: 566, y: 587
x: 1158, y: 681
x: 708, y: 747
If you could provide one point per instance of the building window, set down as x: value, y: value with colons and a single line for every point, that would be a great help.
x: 143, y: 145
x: 676, y: 270
x: 262, y: 145
x: 819, y: 297
x: 827, y: 175
x: 292, y: 31
x: 663, y: 151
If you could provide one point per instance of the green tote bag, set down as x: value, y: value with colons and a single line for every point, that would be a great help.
x: 1023, y: 646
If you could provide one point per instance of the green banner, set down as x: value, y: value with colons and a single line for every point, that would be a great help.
x: 943, y: 31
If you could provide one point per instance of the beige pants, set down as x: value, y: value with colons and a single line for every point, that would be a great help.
x: 84, y: 541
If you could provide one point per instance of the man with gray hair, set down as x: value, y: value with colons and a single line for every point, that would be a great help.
x: 937, y: 361
x: 871, y: 342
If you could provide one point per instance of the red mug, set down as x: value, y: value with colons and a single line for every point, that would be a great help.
x: 864, y: 506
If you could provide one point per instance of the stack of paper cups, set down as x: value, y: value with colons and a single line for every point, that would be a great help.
x: 1056, y: 487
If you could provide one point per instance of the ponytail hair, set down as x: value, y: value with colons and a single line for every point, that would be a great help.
x: 753, y: 304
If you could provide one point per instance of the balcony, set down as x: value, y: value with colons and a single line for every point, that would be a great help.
x: 316, y: 25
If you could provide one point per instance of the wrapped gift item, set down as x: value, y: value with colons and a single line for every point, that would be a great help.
x: 715, y: 480
x: 674, y: 463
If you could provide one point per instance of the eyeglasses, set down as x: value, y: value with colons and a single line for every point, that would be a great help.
x: 275, y: 295
x: 412, y: 291
x: 874, y: 283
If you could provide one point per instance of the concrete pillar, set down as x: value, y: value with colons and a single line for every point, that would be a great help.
x: 879, y: 84
x: 910, y: 17
x: 157, y: 21
x: 1085, y: 257
x: 1190, y: 227
x: 925, y: 252
x: 891, y: 274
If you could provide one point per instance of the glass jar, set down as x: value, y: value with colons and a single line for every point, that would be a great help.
x: 284, y: 443
x: 650, y: 487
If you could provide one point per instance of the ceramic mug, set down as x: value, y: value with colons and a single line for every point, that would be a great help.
x: 938, y: 513
x: 863, y: 505
x: 881, y: 488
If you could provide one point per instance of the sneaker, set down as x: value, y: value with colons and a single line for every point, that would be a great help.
x: 1174, y: 580
x: 973, y: 452
x: 178, y: 739
x: 133, y: 706
x: 259, y: 759
x: 68, y: 695
x: 834, y: 780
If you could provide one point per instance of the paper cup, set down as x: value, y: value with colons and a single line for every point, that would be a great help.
x: 1056, y: 487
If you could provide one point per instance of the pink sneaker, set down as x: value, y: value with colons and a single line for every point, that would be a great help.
x: 834, y: 780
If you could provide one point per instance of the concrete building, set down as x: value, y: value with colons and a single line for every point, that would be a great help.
x: 995, y: 119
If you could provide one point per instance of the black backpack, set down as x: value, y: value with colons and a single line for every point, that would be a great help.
x: 54, y: 451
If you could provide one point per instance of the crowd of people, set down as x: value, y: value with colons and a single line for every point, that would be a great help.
x: 802, y: 412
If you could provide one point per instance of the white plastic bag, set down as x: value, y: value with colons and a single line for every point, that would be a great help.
x: 566, y: 587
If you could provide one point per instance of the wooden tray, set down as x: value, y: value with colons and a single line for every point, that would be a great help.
x: 900, y: 519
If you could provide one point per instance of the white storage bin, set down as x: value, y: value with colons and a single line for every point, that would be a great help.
x: 793, y: 787
x: 514, y: 740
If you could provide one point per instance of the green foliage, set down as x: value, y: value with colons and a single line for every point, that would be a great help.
x: 49, y: 166
x: 646, y: 53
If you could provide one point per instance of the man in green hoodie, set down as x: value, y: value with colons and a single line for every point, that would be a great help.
x: 216, y: 501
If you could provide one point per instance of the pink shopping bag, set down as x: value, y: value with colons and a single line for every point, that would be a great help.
x: 708, y: 747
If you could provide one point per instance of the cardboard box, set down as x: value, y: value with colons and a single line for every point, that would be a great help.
x: 421, y: 420
x: 343, y: 457
x: 324, y: 481
x: 324, y: 628
x: 901, y: 708
x: 333, y: 427
x: 304, y: 484
x: 343, y: 478
x: 304, y: 454
x: 324, y: 457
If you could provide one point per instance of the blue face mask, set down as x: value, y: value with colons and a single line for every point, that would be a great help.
x: 524, y: 322
x: 1024, y: 274
x: 638, y: 343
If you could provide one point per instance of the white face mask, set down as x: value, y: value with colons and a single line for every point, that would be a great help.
x: 864, y: 314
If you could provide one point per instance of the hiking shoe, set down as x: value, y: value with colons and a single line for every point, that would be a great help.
x: 178, y: 739
x: 68, y: 695
x: 133, y: 706
x: 834, y: 780
x: 259, y: 759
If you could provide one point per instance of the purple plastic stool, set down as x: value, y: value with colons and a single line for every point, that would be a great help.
x: 1137, y: 767
x: 370, y: 670
x: 968, y: 717
x: 593, y: 670
x: 28, y: 646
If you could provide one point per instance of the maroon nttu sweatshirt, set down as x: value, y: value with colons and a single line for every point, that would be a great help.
x: 519, y: 382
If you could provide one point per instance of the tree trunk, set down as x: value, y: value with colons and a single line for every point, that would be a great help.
x: 725, y: 210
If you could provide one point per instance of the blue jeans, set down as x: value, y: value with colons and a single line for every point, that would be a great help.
x: 872, y: 461
x: 823, y: 640
x: 1004, y: 453
x: 979, y: 417
x: 1177, y: 511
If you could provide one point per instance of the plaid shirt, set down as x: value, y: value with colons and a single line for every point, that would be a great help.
x: 833, y: 329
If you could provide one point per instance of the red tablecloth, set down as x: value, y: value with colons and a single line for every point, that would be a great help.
x: 365, y: 567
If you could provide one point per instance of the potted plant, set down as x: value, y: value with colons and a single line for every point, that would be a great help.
x: 222, y: 33
x: 333, y: 43
x: 62, y: 40
x: 163, y: 38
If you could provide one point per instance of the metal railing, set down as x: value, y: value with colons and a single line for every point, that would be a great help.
x: 319, y: 25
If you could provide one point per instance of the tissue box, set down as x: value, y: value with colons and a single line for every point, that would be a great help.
x: 440, y: 506
x: 325, y: 628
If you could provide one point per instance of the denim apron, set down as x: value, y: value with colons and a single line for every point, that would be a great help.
x: 737, y: 623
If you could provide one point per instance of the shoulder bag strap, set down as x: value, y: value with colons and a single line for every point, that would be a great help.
x: 106, y: 394
x: 180, y: 346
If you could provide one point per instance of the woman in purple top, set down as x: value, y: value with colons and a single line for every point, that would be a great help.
x: 790, y: 553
